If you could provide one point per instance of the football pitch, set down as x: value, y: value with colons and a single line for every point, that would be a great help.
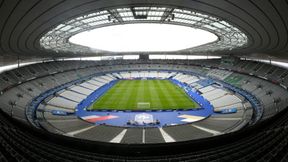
x: 144, y: 95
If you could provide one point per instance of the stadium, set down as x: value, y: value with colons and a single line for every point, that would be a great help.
x: 135, y: 80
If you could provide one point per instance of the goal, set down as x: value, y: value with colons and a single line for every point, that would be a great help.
x: 143, y: 105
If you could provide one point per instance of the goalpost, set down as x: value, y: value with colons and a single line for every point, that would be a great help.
x: 143, y: 105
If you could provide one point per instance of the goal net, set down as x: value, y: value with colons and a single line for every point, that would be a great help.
x: 143, y: 105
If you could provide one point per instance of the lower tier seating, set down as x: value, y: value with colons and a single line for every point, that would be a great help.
x: 266, y: 141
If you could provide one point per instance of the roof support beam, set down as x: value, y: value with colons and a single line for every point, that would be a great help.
x: 115, y: 14
x: 166, y: 14
x: 143, y: 15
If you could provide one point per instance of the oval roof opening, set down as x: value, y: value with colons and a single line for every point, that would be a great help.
x: 143, y: 37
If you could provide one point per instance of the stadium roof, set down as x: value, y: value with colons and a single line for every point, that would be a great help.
x: 229, y: 37
x: 41, y: 29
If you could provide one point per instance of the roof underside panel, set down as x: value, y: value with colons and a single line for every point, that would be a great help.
x: 23, y: 23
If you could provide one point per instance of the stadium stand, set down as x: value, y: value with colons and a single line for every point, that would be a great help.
x: 17, y: 146
x: 70, y: 97
x: 153, y: 135
x: 100, y: 133
x: 183, y: 133
x: 235, y: 90
x: 134, y: 135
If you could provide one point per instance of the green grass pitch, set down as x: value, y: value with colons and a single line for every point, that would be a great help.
x: 161, y: 94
